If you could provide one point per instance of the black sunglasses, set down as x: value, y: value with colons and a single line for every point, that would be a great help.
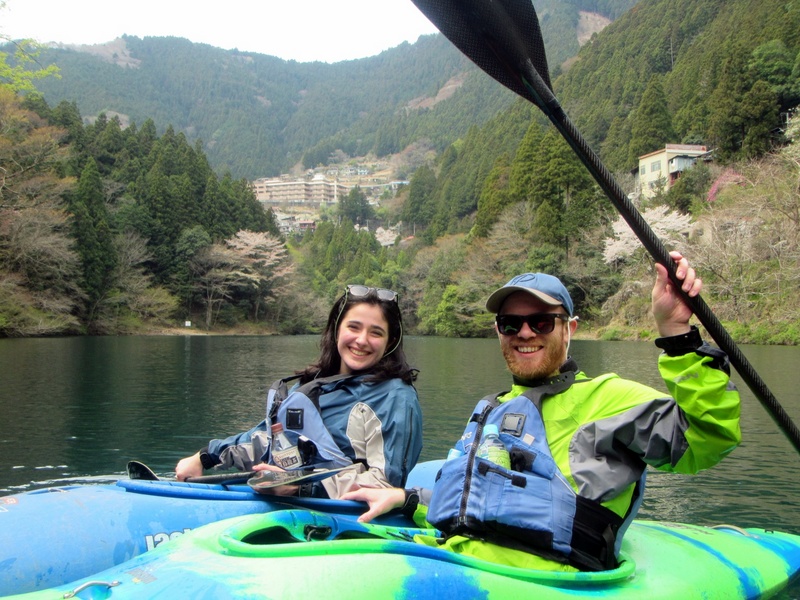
x: 538, y: 322
x: 363, y: 291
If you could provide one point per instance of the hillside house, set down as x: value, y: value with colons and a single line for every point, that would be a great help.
x: 661, y: 169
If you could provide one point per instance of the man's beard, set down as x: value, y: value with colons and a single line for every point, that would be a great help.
x: 548, y: 361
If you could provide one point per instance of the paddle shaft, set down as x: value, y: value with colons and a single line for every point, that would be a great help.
x: 503, y: 38
x: 139, y: 470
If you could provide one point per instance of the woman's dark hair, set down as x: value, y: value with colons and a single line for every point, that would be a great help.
x: 392, y: 364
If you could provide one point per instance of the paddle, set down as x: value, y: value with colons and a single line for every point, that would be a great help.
x: 138, y: 470
x: 503, y: 38
x: 265, y: 480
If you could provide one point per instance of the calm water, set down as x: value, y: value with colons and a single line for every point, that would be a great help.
x: 80, y: 408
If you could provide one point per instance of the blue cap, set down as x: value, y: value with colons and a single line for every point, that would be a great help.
x: 545, y: 287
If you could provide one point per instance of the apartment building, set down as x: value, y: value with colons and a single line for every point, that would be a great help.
x: 286, y: 192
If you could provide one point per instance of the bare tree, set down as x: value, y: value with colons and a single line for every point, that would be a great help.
x: 264, y: 264
x: 217, y: 271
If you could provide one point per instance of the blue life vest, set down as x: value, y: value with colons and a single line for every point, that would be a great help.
x: 299, y: 412
x: 532, y: 506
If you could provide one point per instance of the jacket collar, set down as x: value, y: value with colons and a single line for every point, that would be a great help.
x: 570, y: 366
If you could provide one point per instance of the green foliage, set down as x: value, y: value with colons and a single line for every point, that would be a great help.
x: 494, y: 197
x: 455, y: 312
x: 142, y: 208
x: 419, y: 207
x: 335, y: 255
x: 708, y: 56
x: 93, y: 236
x: 355, y: 208
x: 759, y: 110
x: 652, y: 123
x: 774, y: 63
x: 15, y: 73
x: 690, y: 188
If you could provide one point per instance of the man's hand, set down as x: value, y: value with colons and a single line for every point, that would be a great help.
x: 670, y: 311
x: 380, y: 500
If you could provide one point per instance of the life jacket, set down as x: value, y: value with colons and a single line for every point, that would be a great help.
x: 299, y: 412
x: 532, y: 506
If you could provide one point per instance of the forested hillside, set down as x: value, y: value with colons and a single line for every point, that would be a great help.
x: 103, y: 229
x: 723, y: 74
x: 720, y: 72
x: 111, y: 229
x: 258, y: 115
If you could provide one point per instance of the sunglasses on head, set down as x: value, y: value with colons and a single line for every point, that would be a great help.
x: 363, y: 291
x: 538, y: 322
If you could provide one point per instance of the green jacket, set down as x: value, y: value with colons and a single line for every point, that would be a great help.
x: 603, y: 431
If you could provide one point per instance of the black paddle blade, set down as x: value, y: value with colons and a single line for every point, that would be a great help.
x: 489, y: 33
x: 137, y: 470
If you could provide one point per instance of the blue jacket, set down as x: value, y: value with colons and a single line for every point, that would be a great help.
x: 375, y: 426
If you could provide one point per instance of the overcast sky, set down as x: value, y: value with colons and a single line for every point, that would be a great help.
x: 302, y: 30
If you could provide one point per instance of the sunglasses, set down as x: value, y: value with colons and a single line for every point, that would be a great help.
x: 538, y: 322
x: 362, y: 291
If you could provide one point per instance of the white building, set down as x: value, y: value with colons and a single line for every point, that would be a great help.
x: 660, y: 169
x: 284, y: 192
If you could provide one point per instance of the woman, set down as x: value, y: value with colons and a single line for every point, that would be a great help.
x: 355, y: 406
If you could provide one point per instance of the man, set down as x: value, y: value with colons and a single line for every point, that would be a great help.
x: 578, y: 446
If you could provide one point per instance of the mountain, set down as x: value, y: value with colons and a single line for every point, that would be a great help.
x: 258, y: 115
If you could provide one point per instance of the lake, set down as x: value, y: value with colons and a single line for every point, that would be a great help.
x: 77, y: 409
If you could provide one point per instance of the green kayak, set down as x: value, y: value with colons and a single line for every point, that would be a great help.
x: 307, y: 554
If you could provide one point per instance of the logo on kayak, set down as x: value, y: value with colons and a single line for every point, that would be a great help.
x: 159, y: 538
x: 8, y: 501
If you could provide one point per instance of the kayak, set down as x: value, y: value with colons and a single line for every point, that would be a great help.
x: 57, y: 535
x: 300, y: 553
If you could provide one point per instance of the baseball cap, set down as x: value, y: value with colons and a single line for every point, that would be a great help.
x: 545, y: 287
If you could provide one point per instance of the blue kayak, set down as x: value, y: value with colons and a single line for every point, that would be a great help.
x: 57, y: 535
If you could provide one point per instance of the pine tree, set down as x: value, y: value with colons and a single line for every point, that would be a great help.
x: 725, y: 126
x: 93, y: 236
x: 355, y: 207
x: 418, y: 210
x: 759, y: 110
x: 652, y: 123
x: 523, y: 167
x: 494, y: 196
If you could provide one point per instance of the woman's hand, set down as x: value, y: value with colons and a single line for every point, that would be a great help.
x: 189, y: 467
x: 380, y: 500
x: 281, y: 490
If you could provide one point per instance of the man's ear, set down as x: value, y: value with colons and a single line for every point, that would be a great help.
x: 573, y: 325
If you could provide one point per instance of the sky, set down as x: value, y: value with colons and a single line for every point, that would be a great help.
x: 301, y: 30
